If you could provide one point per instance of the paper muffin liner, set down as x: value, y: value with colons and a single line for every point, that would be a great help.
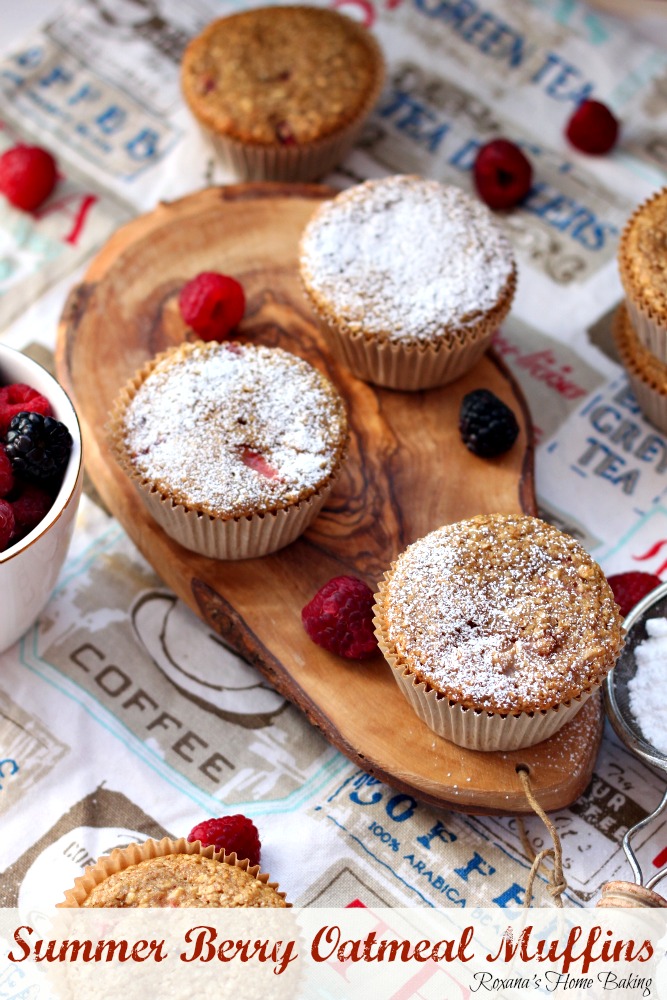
x: 410, y: 366
x: 308, y: 161
x: 474, y: 729
x: 651, y: 330
x: 231, y: 538
x: 124, y: 857
x: 647, y: 373
x: 235, y: 538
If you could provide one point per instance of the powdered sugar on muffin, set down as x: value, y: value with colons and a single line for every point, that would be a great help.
x: 234, y: 429
x: 406, y: 259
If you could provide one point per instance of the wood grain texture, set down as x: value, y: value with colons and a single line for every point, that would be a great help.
x: 407, y: 473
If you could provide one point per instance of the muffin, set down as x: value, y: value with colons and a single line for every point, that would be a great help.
x: 233, y: 447
x: 497, y: 629
x: 410, y: 279
x: 282, y: 91
x: 172, y: 873
x: 647, y: 374
x: 642, y: 258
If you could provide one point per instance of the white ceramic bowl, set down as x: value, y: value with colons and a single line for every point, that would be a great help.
x: 29, y: 569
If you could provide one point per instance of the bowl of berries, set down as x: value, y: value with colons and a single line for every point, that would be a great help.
x: 41, y: 475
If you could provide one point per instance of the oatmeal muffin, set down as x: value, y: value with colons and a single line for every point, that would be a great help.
x: 642, y: 257
x: 410, y: 279
x: 172, y: 873
x: 647, y: 374
x: 233, y: 447
x: 282, y: 91
x: 497, y: 629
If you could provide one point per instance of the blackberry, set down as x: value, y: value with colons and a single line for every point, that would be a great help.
x: 488, y: 427
x: 38, y: 447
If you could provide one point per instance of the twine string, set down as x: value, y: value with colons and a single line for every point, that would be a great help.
x: 556, y: 883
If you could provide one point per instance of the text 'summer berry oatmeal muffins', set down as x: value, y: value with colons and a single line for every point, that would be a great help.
x: 497, y: 629
x: 282, y: 91
x: 172, y: 873
x: 409, y: 278
x: 641, y: 262
x: 233, y: 447
x: 646, y: 372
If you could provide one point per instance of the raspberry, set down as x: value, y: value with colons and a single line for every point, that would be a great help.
x: 6, y: 473
x: 212, y: 304
x: 503, y: 174
x: 28, y: 175
x: 629, y: 588
x: 255, y: 460
x: 7, y: 524
x: 231, y: 834
x: 17, y: 398
x: 38, y: 447
x: 592, y: 128
x: 488, y: 427
x: 340, y: 618
x: 29, y: 508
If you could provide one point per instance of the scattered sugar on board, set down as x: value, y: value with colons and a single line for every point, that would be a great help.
x: 646, y: 704
x: 406, y: 257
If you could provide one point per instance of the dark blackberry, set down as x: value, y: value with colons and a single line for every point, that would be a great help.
x: 38, y: 447
x: 488, y: 427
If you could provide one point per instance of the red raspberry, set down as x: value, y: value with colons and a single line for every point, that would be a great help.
x: 629, y: 588
x: 255, y: 460
x: 29, y: 508
x: 7, y: 524
x: 592, y: 128
x: 502, y: 174
x: 231, y: 834
x: 28, y: 175
x: 212, y: 304
x: 340, y: 618
x: 19, y: 398
x: 6, y: 473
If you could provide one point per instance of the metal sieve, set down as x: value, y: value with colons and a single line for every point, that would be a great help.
x: 626, y: 727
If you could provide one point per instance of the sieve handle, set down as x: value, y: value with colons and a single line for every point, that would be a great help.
x: 629, y: 894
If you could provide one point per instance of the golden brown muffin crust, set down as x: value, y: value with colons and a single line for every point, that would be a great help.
x: 184, y: 880
x: 285, y: 75
x: 643, y: 256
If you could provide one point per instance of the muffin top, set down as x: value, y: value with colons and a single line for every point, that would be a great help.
x: 281, y: 74
x: 182, y: 880
x: 500, y: 612
x: 230, y: 429
x: 643, y: 256
x: 406, y: 259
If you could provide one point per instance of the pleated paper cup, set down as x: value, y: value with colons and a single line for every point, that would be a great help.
x: 122, y: 858
x: 478, y: 730
x: 410, y: 366
x: 233, y: 538
x: 650, y: 326
x: 647, y: 373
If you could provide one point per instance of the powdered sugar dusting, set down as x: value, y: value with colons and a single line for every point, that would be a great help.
x: 205, y: 408
x: 646, y: 689
x: 501, y: 612
x: 406, y: 258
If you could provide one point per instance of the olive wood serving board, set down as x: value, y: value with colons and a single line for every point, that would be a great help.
x: 407, y: 473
